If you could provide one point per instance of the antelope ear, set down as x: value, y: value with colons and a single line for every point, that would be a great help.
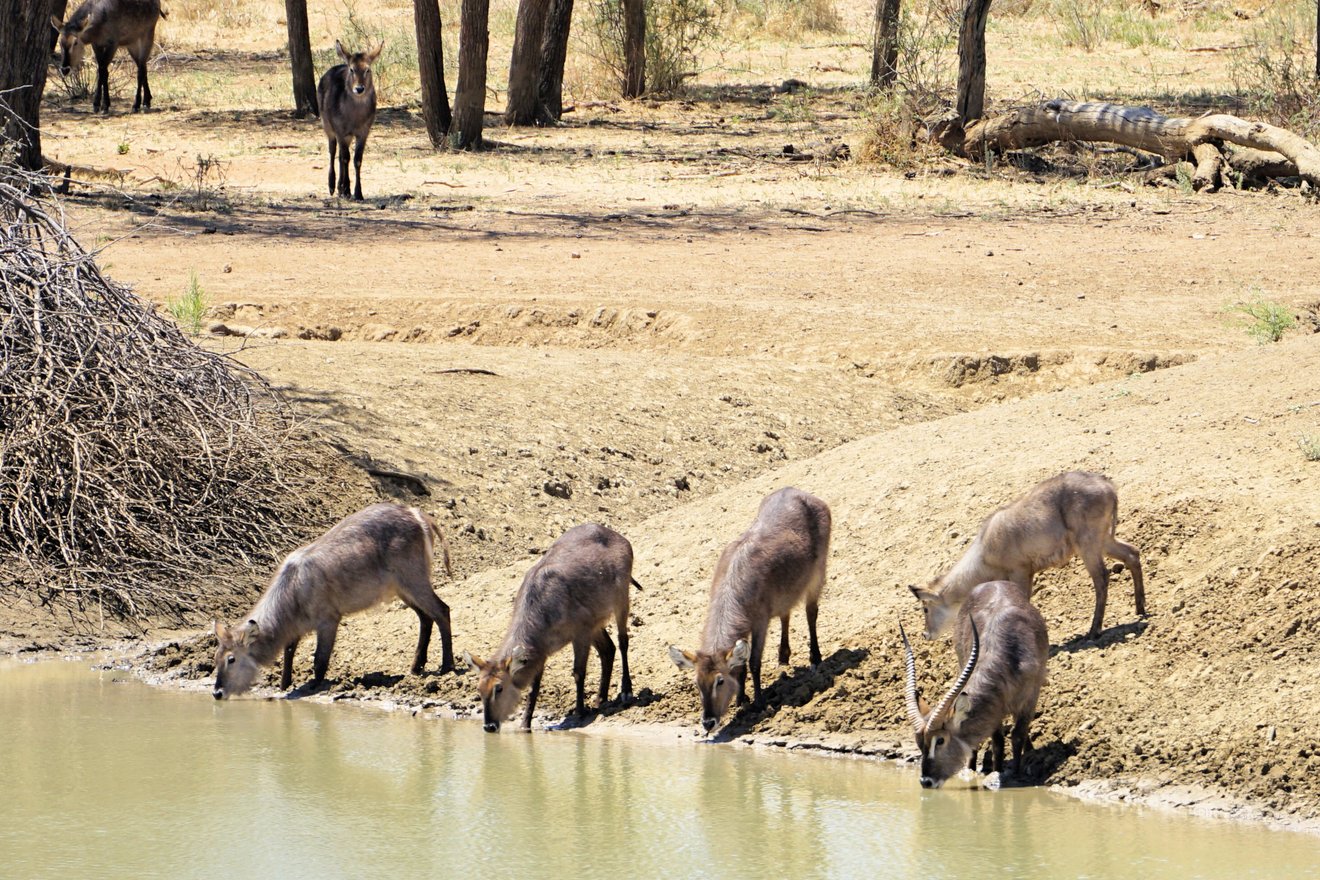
x: 741, y: 651
x: 56, y: 23
x: 922, y: 706
x: 682, y: 659
x: 517, y: 660
x: 925, y: 597
x: 246, y: 633
x: 961, y: 706
x: 372, y: 56
x: 221, y: 631
x: 476, y: 664
x: 343, y: 53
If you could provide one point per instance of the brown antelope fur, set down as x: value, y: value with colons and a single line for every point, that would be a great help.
x: 347, y: 98
x: 369, y: 557
x: 1003, y: 647
x: 1073, y: 514
x: 765, y: 573
x: 105, y: 25
x: 568, y: 597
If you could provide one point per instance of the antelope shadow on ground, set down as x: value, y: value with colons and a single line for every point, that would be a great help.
x: 796, y: 687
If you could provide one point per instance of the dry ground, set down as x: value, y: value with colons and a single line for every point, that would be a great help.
x: 657, y: 313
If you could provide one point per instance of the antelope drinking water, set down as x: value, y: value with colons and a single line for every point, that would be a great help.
x: 775, y: 564
x: 1073, y: 514
x: 105, y: 25
x: 371, y: 556
x: 1003, y: 645
x: 568, y: 597
x: 347, y: 97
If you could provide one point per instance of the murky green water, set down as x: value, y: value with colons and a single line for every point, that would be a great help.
x: 103, y: 777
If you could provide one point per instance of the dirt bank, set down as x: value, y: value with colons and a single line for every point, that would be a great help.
x: 1213, y: 689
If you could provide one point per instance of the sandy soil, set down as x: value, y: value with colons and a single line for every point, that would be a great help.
x: 652, y: 317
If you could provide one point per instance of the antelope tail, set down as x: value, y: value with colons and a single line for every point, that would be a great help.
x: 634, y: 582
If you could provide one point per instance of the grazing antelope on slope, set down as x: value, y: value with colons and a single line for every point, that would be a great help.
x: 347, y: 97
x: 105, y: 25
x: 371, y: 556
x: 1073, y: 514
x: 1003, y: 645
x: 775, y: 564
x: 568, y: 597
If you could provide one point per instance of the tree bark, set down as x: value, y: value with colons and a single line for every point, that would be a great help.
x: 554, y: 53
x: 470, y: 94
x: 634, y: 48
x: 1172, y: 137
x: 300, y: 59
x: 1317, y: 39
x: 431, y: 66
x: 884, y: 49
x: 525, y: 64
x: 24, y: 27
x: 971, y: 60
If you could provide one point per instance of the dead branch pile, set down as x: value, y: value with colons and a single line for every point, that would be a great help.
x: 132, y: 462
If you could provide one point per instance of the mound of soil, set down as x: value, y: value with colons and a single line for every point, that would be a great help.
x: 1212, y: 690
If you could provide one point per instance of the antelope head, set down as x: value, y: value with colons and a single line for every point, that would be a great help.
x: 71, y: 45
x: 943, y: 750
x: 235, y: 667
x: 495, y: 685
x: 938, y: 610
x: 358, y: 66
x: 716, y: 680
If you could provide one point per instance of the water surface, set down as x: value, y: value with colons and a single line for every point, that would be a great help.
x: 104, y: 777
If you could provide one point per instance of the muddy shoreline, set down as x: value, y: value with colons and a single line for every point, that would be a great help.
x: 1169, y: 796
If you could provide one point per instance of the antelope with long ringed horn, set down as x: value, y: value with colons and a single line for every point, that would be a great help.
x: 1073, y: 514
x: 567, y: 597
x: 1003, y: 646
x: 371, y: 556
x: 777, y: 563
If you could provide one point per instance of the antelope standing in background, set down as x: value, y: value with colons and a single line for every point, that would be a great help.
x: 105, y: 25
x: 369, y: 557
x: 775, y: 564
x: 347, y: 97
x: 1003, y: 645
x: 568, y: 597
x: 1073, y: 514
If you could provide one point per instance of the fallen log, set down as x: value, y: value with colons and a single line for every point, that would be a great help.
x: 1268, y: 148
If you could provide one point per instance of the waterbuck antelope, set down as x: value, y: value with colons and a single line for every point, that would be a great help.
x: 1003, y: 646
x: 347, y: 97
x: 371, y: 556
x: 568, y: 597
x: 105, y: 25
x: 775, y: 564
x: 1073, y: 514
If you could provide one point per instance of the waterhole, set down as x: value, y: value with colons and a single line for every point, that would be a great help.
x: 105, y: 777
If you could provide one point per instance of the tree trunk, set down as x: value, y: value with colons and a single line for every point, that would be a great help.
x: 300, y: 59
x: 470, y: 95
x: 554, y: 53
x: 431, y: 66
x: 57, y: 9
x: 1317, y: 39
x: 1280, y: 151
x: 634, y: 48
x: 971, y: 60
x: 24, y: 28
x: 525, y: 64
x: 884, y: 49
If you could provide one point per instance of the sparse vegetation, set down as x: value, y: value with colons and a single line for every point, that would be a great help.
x: 1276, y: 68
x: 1310, y: 446
x: 189, y: 308
x: 1264, y: 320
x: 676, y: 32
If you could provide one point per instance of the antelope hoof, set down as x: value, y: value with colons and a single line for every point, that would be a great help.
x: 625, y: 698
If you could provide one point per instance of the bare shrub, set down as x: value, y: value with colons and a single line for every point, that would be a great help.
x: 133, y: 464
x: 676, y: 32
x: 1276, y: 70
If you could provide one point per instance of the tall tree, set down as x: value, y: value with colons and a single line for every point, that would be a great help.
x: 24, y: 34
x: 971, y: 60
x: 431, y: 66
x: 1317, y: 39
x: 884, y: 49
x: 300, y: 58
x: 634, y: 48
x: 525, y: 63
x: 470, y: 95
x: 554, y: 54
